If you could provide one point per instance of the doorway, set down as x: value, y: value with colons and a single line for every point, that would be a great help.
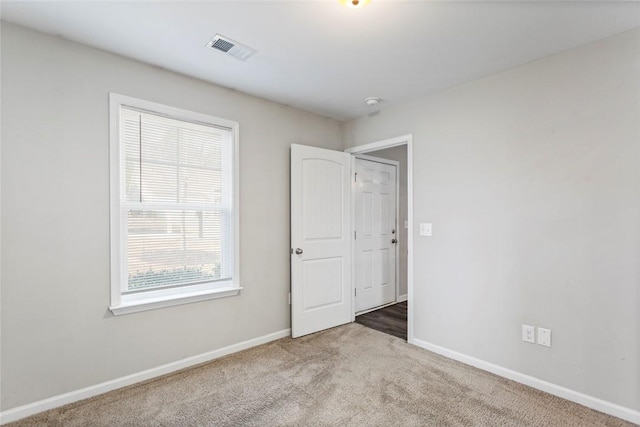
x: 390, y: 318
x: 322, y: 273
x: 375, y: 205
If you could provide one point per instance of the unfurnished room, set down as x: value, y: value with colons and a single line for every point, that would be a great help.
x: 319, y: 213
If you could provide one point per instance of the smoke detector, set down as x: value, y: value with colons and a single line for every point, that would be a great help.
x: 372, y: 100
x: 231, y: 47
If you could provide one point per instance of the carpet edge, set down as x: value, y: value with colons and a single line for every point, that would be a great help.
x: 23, y: 411
x: 591, y: 402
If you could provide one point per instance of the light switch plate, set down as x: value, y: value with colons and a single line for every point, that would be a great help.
x: 544, y: 337
x: 426, y: 229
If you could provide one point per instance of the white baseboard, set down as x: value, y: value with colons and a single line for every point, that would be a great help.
x: 610, y: 408
x: 94, y: 390
x: 402, y: 298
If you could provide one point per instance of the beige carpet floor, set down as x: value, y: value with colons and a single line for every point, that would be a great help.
x: 346, y: 376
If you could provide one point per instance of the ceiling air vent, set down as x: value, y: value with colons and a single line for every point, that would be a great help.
x: 230, y: 47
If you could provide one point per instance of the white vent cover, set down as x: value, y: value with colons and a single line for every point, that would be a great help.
x: 230, y: 47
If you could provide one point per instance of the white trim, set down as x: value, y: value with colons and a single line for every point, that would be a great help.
x: 173, y: 112
x: 402, y: 298
x: 379, y: 145
x: 610, y: 408
x: 115, y: 101
x: 94, y: 390
x: 125, y: 304
x: 388, y: 143
x: 173, y: 299
x: 352, y: 173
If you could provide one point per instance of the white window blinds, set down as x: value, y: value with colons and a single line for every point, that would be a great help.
x: 176, y: 202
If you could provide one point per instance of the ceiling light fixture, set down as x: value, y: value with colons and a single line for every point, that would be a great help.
x: 372, y: 100
x: 354, y: 3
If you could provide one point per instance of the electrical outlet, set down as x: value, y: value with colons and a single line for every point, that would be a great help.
x: 528, y: 333
x: 544, y: 337
x: 426, y: 229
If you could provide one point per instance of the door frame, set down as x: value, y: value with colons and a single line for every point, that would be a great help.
x: 379, y: 145
x: 396, y: 164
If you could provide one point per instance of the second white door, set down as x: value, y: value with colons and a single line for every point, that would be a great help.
x: 375, y: 234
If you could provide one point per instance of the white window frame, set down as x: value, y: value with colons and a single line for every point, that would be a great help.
x: 152, y: 299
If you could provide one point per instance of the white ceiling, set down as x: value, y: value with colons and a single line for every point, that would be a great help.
x: 324, y: 58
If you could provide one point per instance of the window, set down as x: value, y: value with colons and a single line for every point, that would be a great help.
x: 174, y: 227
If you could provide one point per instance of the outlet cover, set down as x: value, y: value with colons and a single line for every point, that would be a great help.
x: 544, y: 337
x: 529, y: 333
x: 426, y: 229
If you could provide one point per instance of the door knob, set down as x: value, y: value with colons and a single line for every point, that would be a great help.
x: 394, y: 241
x: 298, y: 251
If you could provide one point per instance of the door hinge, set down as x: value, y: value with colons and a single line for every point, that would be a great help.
x: 355, y: 235
x: 291, y: 251
x: 289, y: 298
x: 355, y: 177
x: 355, y: 292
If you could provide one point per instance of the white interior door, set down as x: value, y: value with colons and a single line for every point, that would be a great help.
x: 320, y: 239
x: 375, y: 234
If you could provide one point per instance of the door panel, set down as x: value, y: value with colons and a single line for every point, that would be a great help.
x: 323, y: 284
x: 375, y: 226
x: 322, y: 199
x: 320, y: 229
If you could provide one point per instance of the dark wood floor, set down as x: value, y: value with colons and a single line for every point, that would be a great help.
x: 391, y: 320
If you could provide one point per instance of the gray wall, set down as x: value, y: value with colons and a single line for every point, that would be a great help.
x: 531, y: 179
x: 57, y: 334
x: 399, y: 154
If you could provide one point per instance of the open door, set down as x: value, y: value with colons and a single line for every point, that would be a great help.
x: 320, y: 239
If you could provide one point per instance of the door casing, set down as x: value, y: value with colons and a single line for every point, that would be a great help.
x: 374, y: 146
x: 379, y: 145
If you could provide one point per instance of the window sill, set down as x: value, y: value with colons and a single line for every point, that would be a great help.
x: 171, y: 300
